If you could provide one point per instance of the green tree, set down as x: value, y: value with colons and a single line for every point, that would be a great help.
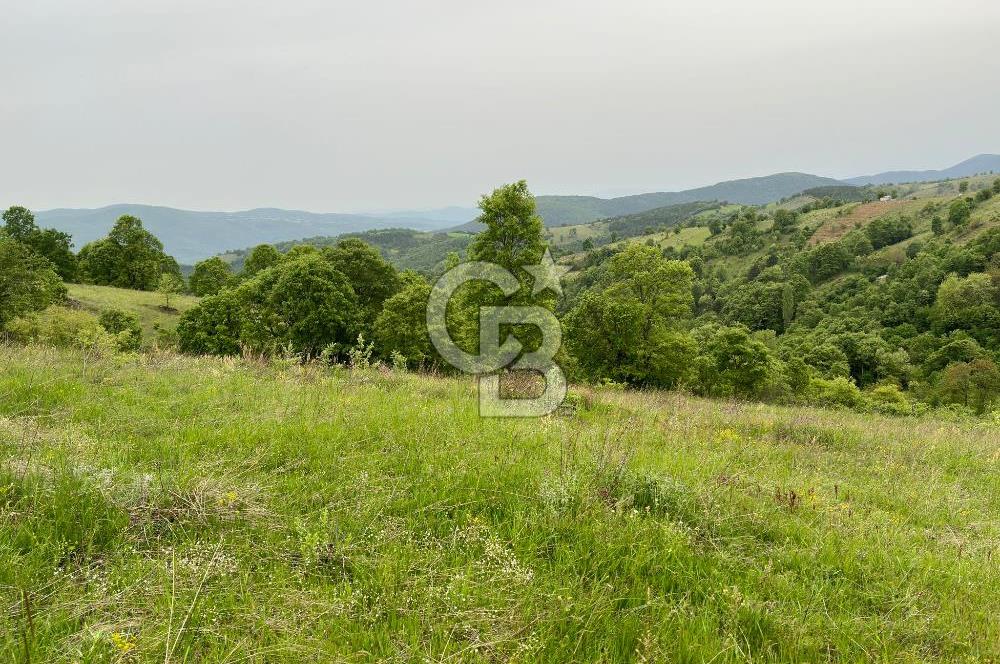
x: 963, y: 186
x: 19, y: 223
x: 169, y: 286
x: 373, y: 279
x: 732, y: 362
x: 56, y: 246
x: 304, y: 304
x: 974, y: 384
x: 260, y: 258
x: 402, y: 324
x: 937, y: 225
x: 959, y: 212
x: 629, y: 325
x: 214, y: 327
x: 27, y: 281
x: 210, y: 276
x: 784, y: 220
x: 129, y: 257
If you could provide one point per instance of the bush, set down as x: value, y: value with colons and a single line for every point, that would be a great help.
x: 124, y: 326
x: 889, y: 400
x: 63, y: 328
x: 836, y: 393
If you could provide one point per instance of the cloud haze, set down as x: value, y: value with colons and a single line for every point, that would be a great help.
x: 337, y: 106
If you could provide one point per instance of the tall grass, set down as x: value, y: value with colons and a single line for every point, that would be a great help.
x: 163, y: 508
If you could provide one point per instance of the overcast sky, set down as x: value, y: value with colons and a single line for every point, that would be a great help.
x: 377, y: 104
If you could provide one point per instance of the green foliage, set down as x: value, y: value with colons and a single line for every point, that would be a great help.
x: 260, y: 258
x: 214, y: 327
x: 129, y: 257
x: 28, y: 281
x: 401, y: 327
x: 210, y: 276
x: 62, y: 327
x: 628, y: 325
x: 374, y: 281
x: 974, y: 384
x: 889, y: 230
x: 731, y: 362
x: 959, y: 212
x: 125, y: 326
x: 19, y: 224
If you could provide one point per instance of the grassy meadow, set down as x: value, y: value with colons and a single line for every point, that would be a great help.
x: 173, y: 509
x: 149, y: 307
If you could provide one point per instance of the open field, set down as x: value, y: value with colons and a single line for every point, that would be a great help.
x: 148, y: 306
x: 163, y: 508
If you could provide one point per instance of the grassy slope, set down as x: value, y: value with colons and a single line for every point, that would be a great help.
x: 145, y: 305
x: 243, y: 513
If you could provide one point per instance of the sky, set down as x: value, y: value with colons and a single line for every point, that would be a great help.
x: 338, y: 106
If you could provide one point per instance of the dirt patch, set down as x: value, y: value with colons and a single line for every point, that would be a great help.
x: 862, y: 214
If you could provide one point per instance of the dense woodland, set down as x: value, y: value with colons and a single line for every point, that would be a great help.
x: 803, y: 301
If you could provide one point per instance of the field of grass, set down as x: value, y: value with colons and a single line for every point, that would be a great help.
x: 149, y: 307
x: 171, y: 509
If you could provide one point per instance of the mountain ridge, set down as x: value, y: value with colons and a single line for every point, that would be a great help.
x: 982, y: 163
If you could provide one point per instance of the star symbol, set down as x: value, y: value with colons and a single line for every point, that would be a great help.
x: 547, y: 275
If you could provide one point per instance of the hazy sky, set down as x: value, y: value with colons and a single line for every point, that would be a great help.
x: 372, y: 104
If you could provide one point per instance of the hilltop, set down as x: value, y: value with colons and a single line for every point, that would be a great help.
x: 984, y: 163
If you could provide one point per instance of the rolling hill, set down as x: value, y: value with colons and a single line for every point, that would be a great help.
x: 984, y: 163
x: 567, y: 210
x: 190, y: 236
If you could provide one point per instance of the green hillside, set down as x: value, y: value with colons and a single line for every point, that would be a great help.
x: 197, y: 509
x: 567, y: 210
x: 149, y: 307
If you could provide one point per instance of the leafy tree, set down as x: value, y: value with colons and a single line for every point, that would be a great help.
x: 129, y: 257
x: 827, y: 260
x: 402, y: 324
x: 784, y: 220
x: 974, y: 384
x: 888, y: 231
x: 732, y: 362
x: 214, y: 327
x: 56, y: 246
x: 628, y: 326
x: 959, y: 212
x: 304, y: 304
x: 963, y: 186
x: 27, y: 281
x: 210, y: 276
x: 260, y: 258
x: 937, y: 225
x: 19, y: 223
x: 374, y: 281
x: 996, y: 186
x: 170, y: 285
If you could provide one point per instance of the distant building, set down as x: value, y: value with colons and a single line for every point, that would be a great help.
x: 885, y: 198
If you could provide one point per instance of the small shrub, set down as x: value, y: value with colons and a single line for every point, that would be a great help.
x: 889, y: 400
x: 63, y: 328
x: 837, y: 393
x: 124, y: 326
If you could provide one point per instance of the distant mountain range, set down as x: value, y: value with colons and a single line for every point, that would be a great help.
x: 191, y: 236
x: 566, y: 210
x: 984, y: 163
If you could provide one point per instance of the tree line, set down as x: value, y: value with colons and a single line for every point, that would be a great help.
x: 815, y: 323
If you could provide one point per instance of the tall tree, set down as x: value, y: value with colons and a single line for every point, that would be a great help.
x: 27, y: 281
x: 210, y: 276
x: 129, y: 257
